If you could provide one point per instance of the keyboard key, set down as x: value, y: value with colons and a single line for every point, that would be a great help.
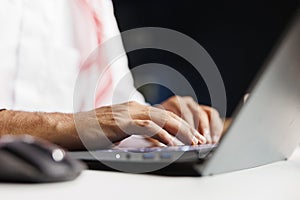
x: 148, y: 155
x: 165, y: 155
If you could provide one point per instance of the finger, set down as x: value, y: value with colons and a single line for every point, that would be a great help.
x: 216, y: 123
x: 156, y: 143
x: 171, y: 123
x: 176, y: 127
x: 201, y: 119
x: 150, y: 129
x: 180, y: 108
x: 186, y: 113
x: 170, y: 103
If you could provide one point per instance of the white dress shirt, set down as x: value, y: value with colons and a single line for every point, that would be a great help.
x: 39, y: 59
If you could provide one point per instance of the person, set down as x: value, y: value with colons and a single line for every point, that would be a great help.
x: 43, y: 48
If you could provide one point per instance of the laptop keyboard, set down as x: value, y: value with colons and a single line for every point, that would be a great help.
x: 183, y: 148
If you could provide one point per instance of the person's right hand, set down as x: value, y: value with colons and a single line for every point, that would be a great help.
x: 120, y: 121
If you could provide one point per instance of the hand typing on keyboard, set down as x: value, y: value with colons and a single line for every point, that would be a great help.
x: 118, y: 122
x: 203, y: 118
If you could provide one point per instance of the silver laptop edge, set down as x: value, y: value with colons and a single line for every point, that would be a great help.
x: 267, y: 128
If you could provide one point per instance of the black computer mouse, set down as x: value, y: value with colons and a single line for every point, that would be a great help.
x: 31, y: 160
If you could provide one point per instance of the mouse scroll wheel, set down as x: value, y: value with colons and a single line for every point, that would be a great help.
x: 58, y: 155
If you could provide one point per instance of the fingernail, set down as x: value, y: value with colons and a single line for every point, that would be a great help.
x: 207, y: 135
x: 195, y: 140
x: 201, y: 138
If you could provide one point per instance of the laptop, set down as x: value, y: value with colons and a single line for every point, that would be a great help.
x: 265, y: 129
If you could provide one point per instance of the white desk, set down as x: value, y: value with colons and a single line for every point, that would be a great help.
x: 280, y: 180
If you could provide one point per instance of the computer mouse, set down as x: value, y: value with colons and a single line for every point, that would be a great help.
x: 31, y: 160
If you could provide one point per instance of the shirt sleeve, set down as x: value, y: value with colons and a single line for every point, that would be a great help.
x: 123, y: 82
x: 9, y: 38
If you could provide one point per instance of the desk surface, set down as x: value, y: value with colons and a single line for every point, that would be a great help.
x: 279, y: 180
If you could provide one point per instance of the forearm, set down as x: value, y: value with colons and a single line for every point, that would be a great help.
x: 58, y: 128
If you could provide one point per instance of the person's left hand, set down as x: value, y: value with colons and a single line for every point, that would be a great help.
x: 205, y: 119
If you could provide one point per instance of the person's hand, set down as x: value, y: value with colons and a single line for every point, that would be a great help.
x: 118, y: 122
x: 203, y: 118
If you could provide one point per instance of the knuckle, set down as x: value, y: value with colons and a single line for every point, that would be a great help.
x: 144, y: 123
x: 163, y: 113
x: 159, y: 135
x: 132, y: 103
x: 189, y: 98
x: 197, y: 110
x: 174, y: 97
x: 214, y: 112
x: 201, y: 112
x: 149, y: 109
x: 171, y: 114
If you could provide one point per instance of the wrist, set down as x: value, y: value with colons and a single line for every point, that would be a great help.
x: 63, y: 130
